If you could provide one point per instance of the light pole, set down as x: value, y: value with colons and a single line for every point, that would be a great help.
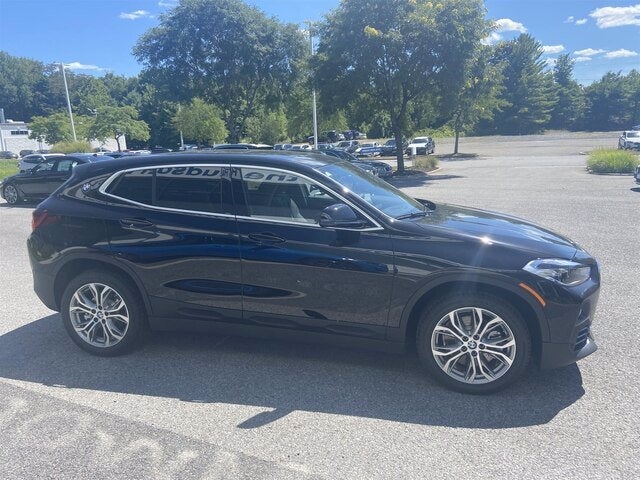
x: 313, y: 91
x: 66, y: 91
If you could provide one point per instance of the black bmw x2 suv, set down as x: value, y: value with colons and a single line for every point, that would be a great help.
x: 308, y: 247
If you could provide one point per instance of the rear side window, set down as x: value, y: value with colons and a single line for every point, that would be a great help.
x: 192, y: 188
x: 136, y: 186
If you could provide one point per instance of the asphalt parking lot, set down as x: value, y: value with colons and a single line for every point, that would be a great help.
x: 218, y: 407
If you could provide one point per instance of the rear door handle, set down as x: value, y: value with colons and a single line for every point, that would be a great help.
x: 266, y: 238
x: 135, y: 223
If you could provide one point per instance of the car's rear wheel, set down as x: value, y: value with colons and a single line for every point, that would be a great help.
x: 11, y: 194
x: 474, y: 343
x: 102, y: 313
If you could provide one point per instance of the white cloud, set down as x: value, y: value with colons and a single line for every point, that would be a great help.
x: 582, y: 59
x: 135, y: 15
x: 569, y: 19
x: 589, y: 52
x: 582, y: 21
x: 508, y: 25
x: 607, y: 17
x: 82, y: 66
x: 492, y: 39
x: 553, y: 48
x: 622, y: 53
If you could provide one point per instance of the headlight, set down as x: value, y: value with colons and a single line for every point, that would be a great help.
x: 562, y: 271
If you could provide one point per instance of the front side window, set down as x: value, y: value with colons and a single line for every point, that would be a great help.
x: 282, y: 196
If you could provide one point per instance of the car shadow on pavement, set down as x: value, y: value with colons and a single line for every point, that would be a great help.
x: 282, y: 376
x: 636, y: 189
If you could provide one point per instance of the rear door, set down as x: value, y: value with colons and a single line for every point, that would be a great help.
x: 175, y: 227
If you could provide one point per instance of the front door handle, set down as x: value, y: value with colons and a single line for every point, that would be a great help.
x: 266, y: 237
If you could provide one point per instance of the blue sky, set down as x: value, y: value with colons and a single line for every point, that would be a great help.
x: 95, y: 36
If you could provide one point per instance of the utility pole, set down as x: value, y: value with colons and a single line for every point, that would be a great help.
x: 66, y: 91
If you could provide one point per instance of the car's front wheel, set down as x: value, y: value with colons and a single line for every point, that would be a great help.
x: 11, y: 194
x: 474, y: 343
x: 102, y: 313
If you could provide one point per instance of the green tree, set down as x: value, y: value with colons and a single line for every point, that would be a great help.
x: 114, y: 122
x: 201, y: 122
x: 528, y: 93
x: 52, y: 129
x: 224, y: 52
x: 23, y: 92
x: 478, y: 98
x: 613, y: 102
x: 396, y: 51
x: 268, y: 128
x: 570, y: 106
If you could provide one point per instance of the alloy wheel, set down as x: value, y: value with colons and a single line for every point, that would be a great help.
x: 473, y: 345
x: 99, y: 315
x: 10, y: 194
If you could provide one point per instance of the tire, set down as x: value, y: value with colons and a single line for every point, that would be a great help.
x: 108, y: 329
x: 489, y: 361
x: 11, y: 194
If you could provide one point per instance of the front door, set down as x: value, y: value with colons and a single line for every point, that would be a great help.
x: 297, y: 274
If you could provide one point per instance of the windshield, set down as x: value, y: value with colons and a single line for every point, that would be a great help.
x: 633, y: 134
x: 373, y: 190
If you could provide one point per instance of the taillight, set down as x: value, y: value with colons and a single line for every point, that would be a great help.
x: 41, y: 218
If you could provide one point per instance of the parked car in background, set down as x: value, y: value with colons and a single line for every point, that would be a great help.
x: 348, y: 145
x: 423, y: 146
x: 301, y: 146
x: 30, y: 161
x: 637, y: 175
x: 629, y: 140
x: 308, y: 247
x: 368, y: 149
x: 325, y: 146
x: 282, y: 146
x: 389, y: 147
x: 24, y: 153
x: 8, y: 155
x: 379, y: 169
x: 43, y: 179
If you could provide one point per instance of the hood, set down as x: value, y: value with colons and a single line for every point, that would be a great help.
x: 496, y: 230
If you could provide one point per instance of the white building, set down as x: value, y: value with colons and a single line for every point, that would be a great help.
x: 14, y: 136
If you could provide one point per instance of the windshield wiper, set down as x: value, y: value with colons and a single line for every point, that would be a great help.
x: 412, y: 215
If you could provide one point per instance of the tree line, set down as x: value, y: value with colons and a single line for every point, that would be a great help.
x: 221, y: 70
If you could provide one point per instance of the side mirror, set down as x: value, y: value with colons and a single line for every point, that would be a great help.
x: 340, y: 215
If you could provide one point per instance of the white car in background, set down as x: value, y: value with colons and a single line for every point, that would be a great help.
x: 629, y: 140
x: 422, y: 145
x: 29, y: 161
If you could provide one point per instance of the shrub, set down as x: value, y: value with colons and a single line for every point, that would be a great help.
x: 72, y: 147
x: 426, y: 162
x: 612, y: 161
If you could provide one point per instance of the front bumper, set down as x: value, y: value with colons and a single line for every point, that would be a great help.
x: 553, y: 355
